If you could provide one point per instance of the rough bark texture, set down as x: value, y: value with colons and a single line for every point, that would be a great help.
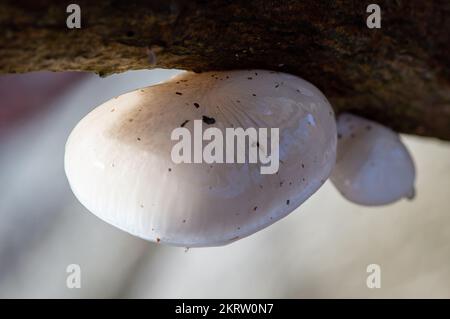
x: 398, y: 75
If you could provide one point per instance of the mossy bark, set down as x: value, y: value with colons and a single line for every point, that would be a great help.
x: 398, y: 75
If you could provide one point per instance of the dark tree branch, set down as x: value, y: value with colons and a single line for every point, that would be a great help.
x: 398, y: 75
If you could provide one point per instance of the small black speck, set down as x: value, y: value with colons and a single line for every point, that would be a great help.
x: 196, y: 105
x: 255, y: 208
x: 254, y: 94
x: 281, y: 184
x: 250, y: 78
x: 257, y: 144
x: 184, y: 123
x: 256, y: 73
x: 179, y: 93
x: 303, y: 179
x: 277, y: 86
x: 208, y: 120
x: 184, y: 220
x: 138, y: 138
x: 303, y: 165
x: 170, y: 169
x: 239, y: 228
x: 287, y: 202
x: 238, y: 101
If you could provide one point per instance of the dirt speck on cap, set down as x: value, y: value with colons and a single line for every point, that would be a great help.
x: 208, y: 120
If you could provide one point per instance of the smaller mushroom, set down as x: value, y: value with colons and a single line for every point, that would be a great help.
x: 373, y: 166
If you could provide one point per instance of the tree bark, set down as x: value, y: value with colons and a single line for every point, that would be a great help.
x: 398, y: 75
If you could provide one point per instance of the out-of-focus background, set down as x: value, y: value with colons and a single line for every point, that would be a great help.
x: 320, y: 250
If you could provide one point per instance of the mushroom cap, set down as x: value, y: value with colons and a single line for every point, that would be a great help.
x: 119, y: 165
x: 373, y: 166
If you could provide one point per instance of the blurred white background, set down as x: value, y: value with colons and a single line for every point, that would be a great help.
x: 320, y: 250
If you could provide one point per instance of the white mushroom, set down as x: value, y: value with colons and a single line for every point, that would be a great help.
x: 373, y: 166
x: 119, y: 158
